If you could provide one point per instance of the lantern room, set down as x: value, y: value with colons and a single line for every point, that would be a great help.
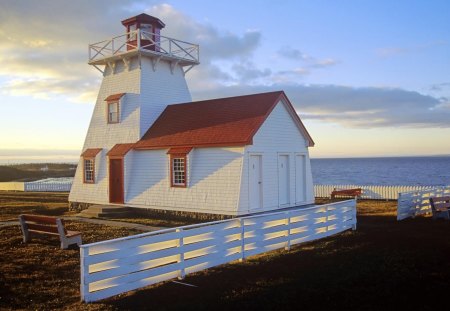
x: 149, y: 31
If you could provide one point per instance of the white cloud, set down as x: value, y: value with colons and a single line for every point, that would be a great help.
x: 308, y: 60
x: 44, y: 54
x: 366, y: 107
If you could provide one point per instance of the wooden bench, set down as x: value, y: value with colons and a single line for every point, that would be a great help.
x: 440, y: 207
x: 44, y: 225
x: 346, y: 192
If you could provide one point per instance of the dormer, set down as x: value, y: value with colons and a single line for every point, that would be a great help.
x: 149, y: 29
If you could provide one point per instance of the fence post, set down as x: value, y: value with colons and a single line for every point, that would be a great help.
x: 84, y: 269
x: 288, y: 224
x: 242, y: 226
x: 354, y: 215
x: 182, y: 273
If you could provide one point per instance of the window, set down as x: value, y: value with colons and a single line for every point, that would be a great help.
x: 113, y: 112
x: 132, y: 28
x: 178, y: 168
x: 147, y: 28
x: 89, y: 170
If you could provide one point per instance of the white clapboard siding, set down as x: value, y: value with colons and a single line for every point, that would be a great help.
x: 413, y: 203
x: 374, y: 192
x: 112, y: 267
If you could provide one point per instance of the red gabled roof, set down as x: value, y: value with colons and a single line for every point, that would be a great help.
x: 231, y: 121
x: 119, y: 150
x: 90, y: 153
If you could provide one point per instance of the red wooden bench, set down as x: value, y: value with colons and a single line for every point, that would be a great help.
x: 34, y: 225
x: 440, y: 207
x: 346, y: 192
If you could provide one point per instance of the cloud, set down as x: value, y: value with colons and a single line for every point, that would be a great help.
x: 291, y: 53
x: 43, y: 54
x: 365, y: 107
x: 387, y: 52
x: 438, y: 87
x: 309, y: 61
x: 247, y: 71
x: 46, y: 55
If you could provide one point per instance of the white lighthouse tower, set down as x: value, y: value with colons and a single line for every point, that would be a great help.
x: 143, y: 72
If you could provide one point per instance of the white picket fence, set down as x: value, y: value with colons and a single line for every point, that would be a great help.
x: 369, y: 192
x: 112, y: 267
x: 47, y: 186
x: 44, y: 185
x: 413, y: 203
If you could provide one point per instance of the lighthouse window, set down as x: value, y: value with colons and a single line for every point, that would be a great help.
x: 113, y: 112
x: 89, y: 170
x: 131, y: 29
x: 147, y: 28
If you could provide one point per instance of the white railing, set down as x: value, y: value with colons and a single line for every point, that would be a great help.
x: 368, y: 192
x: 112, y: 267
x: 147, y: 41
x: 413, y: 203
x: 36, y: 186
x: 47, y: 187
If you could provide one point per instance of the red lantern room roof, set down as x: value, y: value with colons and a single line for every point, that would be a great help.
x: 143, y: 18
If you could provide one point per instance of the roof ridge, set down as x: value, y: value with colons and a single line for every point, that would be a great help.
x: 225, y: 98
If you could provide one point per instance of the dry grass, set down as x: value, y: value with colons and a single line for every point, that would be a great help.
x: 385, y: 264
x: 12, y: 204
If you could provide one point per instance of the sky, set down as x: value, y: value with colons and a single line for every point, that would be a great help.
x: 367, y: 78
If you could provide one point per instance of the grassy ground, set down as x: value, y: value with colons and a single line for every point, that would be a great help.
x: 12, y: 204
x: 30, y: 172
x: 385, y: 264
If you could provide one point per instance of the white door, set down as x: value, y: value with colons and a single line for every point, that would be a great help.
x: 255, y: 182
x: 300, y: 178
x: 283, y: 180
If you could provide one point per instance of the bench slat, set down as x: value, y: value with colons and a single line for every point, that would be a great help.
x: 40, y: 219
x: 43, y: 228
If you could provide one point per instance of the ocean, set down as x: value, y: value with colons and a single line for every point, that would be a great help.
x: 410, y: 171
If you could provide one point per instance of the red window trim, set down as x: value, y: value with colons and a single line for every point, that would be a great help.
x: 178, y: 156
x: 93, y: 170
x: 118, y: 111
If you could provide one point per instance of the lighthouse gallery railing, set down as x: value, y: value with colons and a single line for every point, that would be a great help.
x: 147, y: 41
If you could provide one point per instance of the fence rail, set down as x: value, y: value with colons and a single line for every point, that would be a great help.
x: 413, y: 203
x: 50, y: 187
x: 369, y: 192
x: 112, y: 267
x: 36, y: 186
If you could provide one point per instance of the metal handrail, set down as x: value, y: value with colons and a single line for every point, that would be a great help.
x: 133, y: 41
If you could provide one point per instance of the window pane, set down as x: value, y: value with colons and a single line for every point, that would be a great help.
x: 179, y: 175
x: 113, y: 112
x: 88, y: 170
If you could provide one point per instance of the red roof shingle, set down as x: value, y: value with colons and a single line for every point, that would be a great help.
x: 231, y: 121
x: 90, y: 153
x: 114, y: 97
x: 119, y: 150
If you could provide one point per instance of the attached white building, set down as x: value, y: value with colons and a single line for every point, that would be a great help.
x: 149, y: 146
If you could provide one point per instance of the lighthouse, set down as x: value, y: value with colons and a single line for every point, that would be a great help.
x: 149, y: 146
x: 143, y: 72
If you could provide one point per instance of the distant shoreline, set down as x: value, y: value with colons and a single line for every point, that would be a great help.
x: 31, y: 160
